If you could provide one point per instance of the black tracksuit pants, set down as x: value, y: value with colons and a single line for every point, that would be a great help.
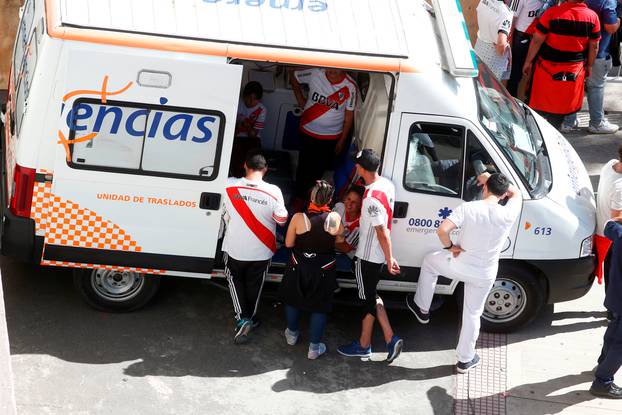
x: 315, y: 157
x: 245, y: 280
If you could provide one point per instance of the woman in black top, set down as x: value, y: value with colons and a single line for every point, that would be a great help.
x: 310, y: 279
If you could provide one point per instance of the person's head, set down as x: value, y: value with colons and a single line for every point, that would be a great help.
x: 353, y: 200
x: 335, y: 75
x: 367, y: 164
x: 321, y: 193
x: 497, y: 185
x: 255, y: 163
x: 252, y: 94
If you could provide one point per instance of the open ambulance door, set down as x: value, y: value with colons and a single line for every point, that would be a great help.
x: 142, y: 156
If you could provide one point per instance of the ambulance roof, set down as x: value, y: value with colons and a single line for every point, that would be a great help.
x: 363, y: 27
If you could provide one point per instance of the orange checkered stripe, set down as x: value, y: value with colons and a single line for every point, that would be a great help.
x: 65, y: 223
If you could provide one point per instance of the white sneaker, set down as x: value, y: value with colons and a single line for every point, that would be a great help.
x: 568, y: 128
x: 291, y: 337
x: 605, y: 127
x: 315, y: 353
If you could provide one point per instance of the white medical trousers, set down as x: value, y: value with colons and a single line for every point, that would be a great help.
x: 476, y: 289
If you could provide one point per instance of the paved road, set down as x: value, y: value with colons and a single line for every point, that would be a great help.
x: 176, y: 355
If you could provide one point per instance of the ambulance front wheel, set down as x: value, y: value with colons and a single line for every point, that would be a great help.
x: 115, y: 291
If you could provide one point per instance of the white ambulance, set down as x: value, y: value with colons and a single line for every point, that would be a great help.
x: 121, y: 116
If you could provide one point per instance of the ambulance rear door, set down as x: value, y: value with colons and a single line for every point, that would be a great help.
x: 142, y: 155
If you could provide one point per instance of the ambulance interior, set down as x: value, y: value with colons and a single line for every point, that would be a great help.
x: 280, y: 137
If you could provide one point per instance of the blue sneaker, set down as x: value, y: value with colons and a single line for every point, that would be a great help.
x: 354, y: 349
x: 241, y: 331
x: 394, y: 347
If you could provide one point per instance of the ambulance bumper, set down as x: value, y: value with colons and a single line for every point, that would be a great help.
x: 19, y: 240
x: 568, y: 279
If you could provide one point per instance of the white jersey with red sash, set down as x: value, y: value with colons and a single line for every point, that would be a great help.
x: 350, y: 227
x: 253, y: 116
x: 324, y: 112
x: 252, y: 211
x: 377, y: 210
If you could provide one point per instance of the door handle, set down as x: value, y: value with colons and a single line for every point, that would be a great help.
x: 210, y: 201
x: 400, y: 210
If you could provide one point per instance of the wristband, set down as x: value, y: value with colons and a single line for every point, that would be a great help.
x: 451, y: 244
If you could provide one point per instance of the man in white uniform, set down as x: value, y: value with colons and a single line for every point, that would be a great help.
x: 373, y: 251
x: 253, y: 208
x: 609, y: 205
x: 325, y: 123
x: 474, y: 259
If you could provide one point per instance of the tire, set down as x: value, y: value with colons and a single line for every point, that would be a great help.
x: 514, y: 301
x: 115, y: 291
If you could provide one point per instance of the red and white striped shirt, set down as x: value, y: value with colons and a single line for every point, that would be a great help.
x: 324, y: 112
x: 377, y: 210
x: 252, y: 211
x: 254, y: 116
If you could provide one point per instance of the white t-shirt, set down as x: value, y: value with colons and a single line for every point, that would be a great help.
x: 609, y: 195
x: 485, y: 228
x: 254, y: 116
x: 525, y: 12
x: 252, y: 211
x: 326, y: 104
x: 493, y: 16
x: 377, y: 209
x: 350, y: 228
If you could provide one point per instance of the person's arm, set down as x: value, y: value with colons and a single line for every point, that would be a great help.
x: 534, y: 47
x: 332, y: 225
x: 300, y: 97
x: 384, y: 238
x: 443, y: 232
x: 292, y: 230
x: 610, y: 19
x: 347, y: 126
x: 502, y: 43
x: 592, y: 51
x: 613, y: 229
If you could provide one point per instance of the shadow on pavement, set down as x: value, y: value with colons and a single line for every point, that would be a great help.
x: 188, y: 331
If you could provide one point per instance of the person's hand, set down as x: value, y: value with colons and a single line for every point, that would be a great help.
x: 588, y: 71
x: 393, y: 267
x: 339, y: 147
x: 483, y: 178
x: 456, y: 250
x: 527, y: 68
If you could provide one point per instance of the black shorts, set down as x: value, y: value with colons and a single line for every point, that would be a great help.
x: 367, y: 277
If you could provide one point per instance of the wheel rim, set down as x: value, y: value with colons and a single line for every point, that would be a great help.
x: 507, y: 300
x: 117, y: 285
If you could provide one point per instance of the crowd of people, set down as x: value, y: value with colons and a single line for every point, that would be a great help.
x: 559, y: 48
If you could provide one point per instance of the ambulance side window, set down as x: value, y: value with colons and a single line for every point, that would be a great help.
x: 154, y: 140
x: 434, y: 159
x: 477, y: 161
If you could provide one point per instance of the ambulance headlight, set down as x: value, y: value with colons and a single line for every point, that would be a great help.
x: 586, y: 246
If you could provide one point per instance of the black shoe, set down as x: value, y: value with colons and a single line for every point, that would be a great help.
x: 241, y: 332
x: 424, y: 318
x: 610, y: 391
x: 463, y: 367
x: 609, y: 316
x: 256, y: 322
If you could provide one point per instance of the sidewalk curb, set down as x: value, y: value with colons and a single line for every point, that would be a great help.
x: 7, y: 394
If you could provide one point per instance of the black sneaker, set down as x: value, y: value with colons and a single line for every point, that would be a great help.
x: 610, y: 391
x: 424, y: 318
x: 463, y: 367
x: 241, y: 332
x: 256, y: 322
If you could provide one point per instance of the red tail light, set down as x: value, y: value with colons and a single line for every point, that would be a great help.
x: 23, y: 184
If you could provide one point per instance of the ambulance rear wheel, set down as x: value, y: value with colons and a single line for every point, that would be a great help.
x: 115, y: 291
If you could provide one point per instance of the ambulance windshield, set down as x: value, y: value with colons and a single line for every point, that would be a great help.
x: 513, y: 129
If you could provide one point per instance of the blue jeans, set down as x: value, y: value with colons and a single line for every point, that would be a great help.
x: 317, y: 323
x: 595, y: 92
x: 610, y: 358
